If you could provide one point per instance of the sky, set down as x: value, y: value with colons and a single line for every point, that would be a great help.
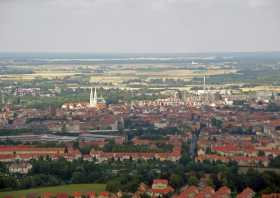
x: 138, y: 26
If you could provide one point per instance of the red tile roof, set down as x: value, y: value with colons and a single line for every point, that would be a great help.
x: 246, y: 193
x: 162, y: 191
x: 222, y: 192
x: 226, y: 148
x: 104, y: 194
x: 188, y: 192
x: 272, y: 195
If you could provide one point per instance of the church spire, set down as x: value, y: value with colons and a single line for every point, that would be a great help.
x: 204, y: 83
x: 93, y: 98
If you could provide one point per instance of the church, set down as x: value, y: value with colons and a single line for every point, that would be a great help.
x: 94, y: 103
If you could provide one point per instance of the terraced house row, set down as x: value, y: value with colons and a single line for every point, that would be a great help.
x: 27, y: 153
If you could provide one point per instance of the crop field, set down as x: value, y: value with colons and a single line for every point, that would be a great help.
x: 262, y: 88
x: 117, y: 77
x: 171, y: 72
x: 112, y: 75
x: 27, y: 77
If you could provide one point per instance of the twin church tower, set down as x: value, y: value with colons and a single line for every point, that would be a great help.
x: 94, y: 101
x: 93, y: 98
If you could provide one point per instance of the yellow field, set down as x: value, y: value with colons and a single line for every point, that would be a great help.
x: 262, y: 88
x: 110, y: 79
x: 27, y: 77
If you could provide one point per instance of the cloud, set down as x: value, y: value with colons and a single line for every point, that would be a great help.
x: 159, y: 5
x: 139, y: 25
x: 76, y: 4
x: 261, y: 3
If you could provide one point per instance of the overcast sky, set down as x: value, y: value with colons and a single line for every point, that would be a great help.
x: 139, y: 25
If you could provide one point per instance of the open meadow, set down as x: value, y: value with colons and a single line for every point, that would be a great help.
x: 69, y: 189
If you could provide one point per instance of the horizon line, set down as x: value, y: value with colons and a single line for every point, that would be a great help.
x: 114, y: 52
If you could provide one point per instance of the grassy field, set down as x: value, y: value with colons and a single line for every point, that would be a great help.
x: 65, y: 188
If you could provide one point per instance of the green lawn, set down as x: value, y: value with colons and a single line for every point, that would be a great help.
x: 65, y: 188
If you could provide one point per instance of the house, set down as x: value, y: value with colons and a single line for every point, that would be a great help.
x: 77, y: 194
x: 87, y: 158
x: 7, y: 157
x: 21, y: 168
x: 91, y: 195
x: 160, y: 188
x: 47, y: 195
x: 143, y: 188
x: 223, y: 192
x: 272, y: 195
x: 207, y: 192
x: 188, y: 192
x: 61, y: 195
x: 104, y: 194
x: 174, y: 155
x: 24, y: 149
x: 246, y: 193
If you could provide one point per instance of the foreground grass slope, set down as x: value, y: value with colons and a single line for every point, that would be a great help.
x: 65, y: 188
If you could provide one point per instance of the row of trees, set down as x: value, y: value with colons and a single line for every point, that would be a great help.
x: 127, y: 175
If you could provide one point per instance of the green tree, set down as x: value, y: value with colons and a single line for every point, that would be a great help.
x: 192, y: 180
x: 114, y: 185
x: 78, y: 177
x: 176, y: 180
x: 216, y: 122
